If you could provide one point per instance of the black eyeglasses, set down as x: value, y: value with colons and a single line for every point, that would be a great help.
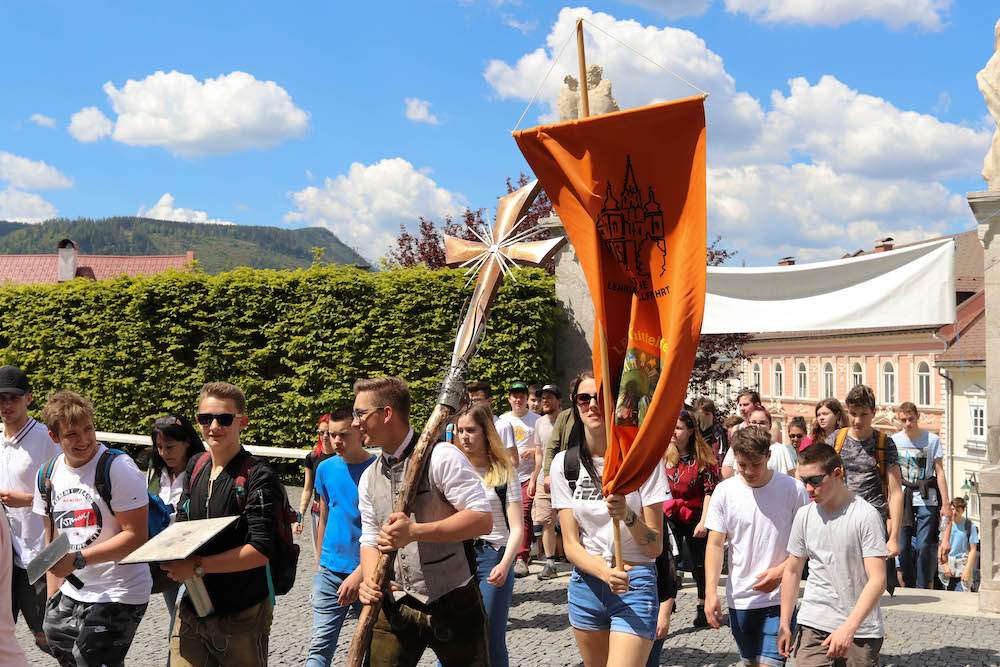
x: 224, y: 418
x: 168, y: 420
x: 815, y: 480
x: 583, y: 400
x: 797, y: 436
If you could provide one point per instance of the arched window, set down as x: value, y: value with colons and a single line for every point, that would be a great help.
x: 828, y: 380
x: 857, y: 375
x: 802, y: 381
x: 779, y: 379
x: 923, y: 383
x: 888, y: 383
x: 755, y: 377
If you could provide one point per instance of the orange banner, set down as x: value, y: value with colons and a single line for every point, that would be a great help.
x: 629, y: 188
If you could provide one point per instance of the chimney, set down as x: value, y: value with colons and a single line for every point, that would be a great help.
x: 786, y: 261
x: 68, y: 251
x: 881, y: 245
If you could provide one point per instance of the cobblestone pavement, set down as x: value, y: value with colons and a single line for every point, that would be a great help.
x: 538, y: 633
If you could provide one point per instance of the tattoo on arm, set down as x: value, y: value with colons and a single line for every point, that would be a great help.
x: 647, y: 537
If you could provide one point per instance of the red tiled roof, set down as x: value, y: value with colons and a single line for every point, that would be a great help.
x: 28, y: 269
x: 970, y: 345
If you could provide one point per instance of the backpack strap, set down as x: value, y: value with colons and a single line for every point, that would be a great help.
x: 967, y: 525
x: 571, y: 466
x: 838, y: 444
x: 45, y: 484
x: 883, y: 474
x: 199, y: 464
x: 102, y: 476
x: 240, y: 483
x: 502, y: 494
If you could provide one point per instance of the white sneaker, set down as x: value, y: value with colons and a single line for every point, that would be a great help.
x: 520, y: 569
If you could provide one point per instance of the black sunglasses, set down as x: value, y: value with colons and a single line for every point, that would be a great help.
x: 815, y: 479
x: 224, y: 418
x: 585, y: 399
x: 168, y: 420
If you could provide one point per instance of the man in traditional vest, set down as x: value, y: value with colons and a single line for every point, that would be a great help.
x: 433, y: 601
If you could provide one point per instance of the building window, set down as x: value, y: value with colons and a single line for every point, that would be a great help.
x: 803, y: 381
x: 779, y: 379
x: 828, y: 380
x: 888, y: 383
x: 755, y: 377
x: 923, y: 383
x: 977, y: 423
x: 857, y: 375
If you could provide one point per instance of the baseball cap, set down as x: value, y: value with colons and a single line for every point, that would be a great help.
x: 517, y: 386
x: 14, y: 381
x: 551, y: 388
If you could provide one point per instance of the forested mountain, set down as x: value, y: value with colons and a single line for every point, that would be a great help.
x: 216, y: 247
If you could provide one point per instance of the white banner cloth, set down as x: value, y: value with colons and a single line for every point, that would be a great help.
x: 913, y: 286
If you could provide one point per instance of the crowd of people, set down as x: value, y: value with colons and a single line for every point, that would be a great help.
x: 847, y: 508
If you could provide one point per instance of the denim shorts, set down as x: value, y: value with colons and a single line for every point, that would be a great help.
x: 756, y: 634
x: 592, y: 605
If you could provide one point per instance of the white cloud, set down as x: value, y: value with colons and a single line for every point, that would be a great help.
x: 674, y: 8
x: 89, y: 124
x: 814, y: 212
x: 44, y: 121
x: 19, y: 206
x: 897, y: 14
x: 419, y: 111
x: 20, y: 172
x: 943, y: 103
x: 365, y: 207
x: 175, y: 111
x: 164, y: 210
x: 524, y: 27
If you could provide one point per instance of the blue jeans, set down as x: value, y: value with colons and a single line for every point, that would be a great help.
x: 328, y: 616
x: 919, y: 562
x: 592, y: 605
x: 496, y: 600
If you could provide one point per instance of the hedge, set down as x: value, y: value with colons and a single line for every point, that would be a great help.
x: 294, y: 341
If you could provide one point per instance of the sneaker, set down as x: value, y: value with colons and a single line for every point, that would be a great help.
x: 548, y: 572
x: 520, y: 569
x: 700, y: 621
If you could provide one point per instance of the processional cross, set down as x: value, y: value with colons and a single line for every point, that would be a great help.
x: 493, y: 256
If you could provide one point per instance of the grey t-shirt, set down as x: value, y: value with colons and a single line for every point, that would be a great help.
x: 861, y: 468
x: 836, y: 545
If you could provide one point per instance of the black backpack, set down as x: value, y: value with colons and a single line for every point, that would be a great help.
x: 282, y: 565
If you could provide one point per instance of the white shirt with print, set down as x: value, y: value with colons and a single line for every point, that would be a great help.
x: 81, y: 513
x: 20, y: 458
x: 524, y: 439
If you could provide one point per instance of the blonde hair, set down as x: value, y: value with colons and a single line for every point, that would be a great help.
x: 387, y: 391
x: 499, y: 470
x: 66, y: 408
x: 226, y: 392
x: 703, y: 453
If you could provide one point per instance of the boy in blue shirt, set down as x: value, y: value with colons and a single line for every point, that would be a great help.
x: 957, y: 573
x: 338, y: 564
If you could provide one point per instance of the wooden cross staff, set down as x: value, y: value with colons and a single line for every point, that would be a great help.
x: 493, y: 256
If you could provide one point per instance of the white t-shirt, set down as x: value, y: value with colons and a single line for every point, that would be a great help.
x: 836, y: 545
x: 587, y: 502
x: 916, y: 462
x: 170, y: 492
x: 20, y: 459
x: 498, y: 537
x: 81, y: 513
x: 505, y: 431
x: 782, y: 458
x: 757, y: 522
x: 524, y: 439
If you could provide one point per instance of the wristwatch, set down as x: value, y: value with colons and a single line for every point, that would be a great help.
x: 199, y: 571
x: 631, y: 518
x: 79, y: 562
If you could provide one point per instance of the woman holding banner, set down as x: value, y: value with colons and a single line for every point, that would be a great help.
x: 613, y: 611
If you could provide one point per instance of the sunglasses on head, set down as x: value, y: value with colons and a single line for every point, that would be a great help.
x: 168, y: 420
x: 224, y: 418
x: 585, y: 399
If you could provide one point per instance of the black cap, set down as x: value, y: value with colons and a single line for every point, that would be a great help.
x: 517, y: 386
x: 14, y: 381
x: 551, y: 388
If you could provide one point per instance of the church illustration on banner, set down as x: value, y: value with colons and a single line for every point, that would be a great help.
x: 627, y: 225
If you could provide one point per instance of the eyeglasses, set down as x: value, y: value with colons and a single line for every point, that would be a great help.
x: 323, y: 434
x: 224, y: 418
x: 168, y: 420
x: 360, y: 414
x: 753, y: 423
x: 584, y: 400
x: 815, y: 480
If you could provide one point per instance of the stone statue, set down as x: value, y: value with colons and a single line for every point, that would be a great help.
x: 598, y: 92
x: 989, y: 86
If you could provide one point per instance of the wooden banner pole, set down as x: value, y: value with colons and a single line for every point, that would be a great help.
x: 584, y: 96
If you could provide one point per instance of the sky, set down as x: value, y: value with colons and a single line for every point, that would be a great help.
x: 830, y: 123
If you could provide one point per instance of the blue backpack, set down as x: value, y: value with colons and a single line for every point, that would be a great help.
x: 159, y: 511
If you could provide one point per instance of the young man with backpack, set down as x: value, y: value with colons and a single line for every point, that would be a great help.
x: 98, y: 498
x: 244, y: 565
x: 871, y: 468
